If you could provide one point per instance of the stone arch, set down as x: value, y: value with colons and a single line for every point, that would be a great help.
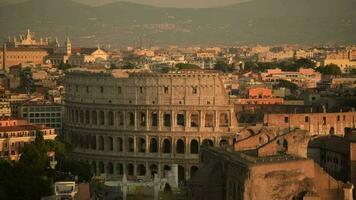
x: 153, y: 145
x: 209, y: 119
x: 194, y: 146
x: 131, y: 119
x: 141, y: 145
x: 181, y: 173
x: 101, y: 143
x: 87, y: 117
x: 130, y: 169
x: 101, y: 118
x: 101, y: 168
x: 142, y: 119
x: 224, y: 120
x: 153, y: 169
x: 119, y: 169
x: 332, y: 131
x: 207, y: 143
x: 194, y: 119
x: 111, y: 118
x: 81, y: 116
x: 94, y: 117
x: 110, y: 143
x: 120, y: 118
x: 93, y: 142
x: 166, y: 169
x: 130, y: 144
x: 223, y: 143
x: 119, y: 144
x: 282, y: 146
x: 141, y: 170
x: 193, y: 170
x: 110, y: 168
x: 180, y: 146
x: 167, y: 146
x: 180, y: 119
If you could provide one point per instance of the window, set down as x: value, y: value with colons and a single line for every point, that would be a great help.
x: 87, y: 89
x: 286, y: 119
x: 306, y: 119
x: 141, y: 90
x: 166, y: 90
x: 338, y: 118
x: 167, y: 119
x: 119, y: 90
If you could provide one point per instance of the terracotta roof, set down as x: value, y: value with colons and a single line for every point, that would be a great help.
x: 23, y: 128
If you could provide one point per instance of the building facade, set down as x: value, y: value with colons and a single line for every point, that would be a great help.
x: 141, y: 123
x: 14, y: 134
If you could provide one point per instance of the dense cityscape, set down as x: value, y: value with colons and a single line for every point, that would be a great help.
x: 176, y: 122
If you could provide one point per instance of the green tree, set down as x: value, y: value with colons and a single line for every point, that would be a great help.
x: 330, y: 69
x: 129, y: 65
x: 223, y: 66
x: 182, y: 66
x: 305, y: 63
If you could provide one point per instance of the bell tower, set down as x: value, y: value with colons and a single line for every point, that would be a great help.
x: 68, y: 46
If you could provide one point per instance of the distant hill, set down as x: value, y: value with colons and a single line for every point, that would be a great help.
x: 122, y: 23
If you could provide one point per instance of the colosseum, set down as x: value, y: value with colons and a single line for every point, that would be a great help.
x: 139, y: 124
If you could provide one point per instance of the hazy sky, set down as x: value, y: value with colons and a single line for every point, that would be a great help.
x: 171, y: 3
x: 160, y: 3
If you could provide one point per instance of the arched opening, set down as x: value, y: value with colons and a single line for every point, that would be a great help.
x: 153, y: 169
x: 110, y: 168
x: 87, y: 117
x: 119, y: 144
x: 130, y: 169
x: 76, y: 116
x: 194, y: 120
x: 110, y: 143
x: 181, y: 173
x: 282, y: 146
x: 93, y: 142
x: 153, y: 145
x: 101, y: 118
x: 93, y: 167
x: 120, y: 118
x: 81, y: 116
x: 119, y: 169
x: 193, y: 170
x: 141, y: 170
x: 166, y: 170
x: 142, y: 145
x: 180, y: 147
x: 209, y: 119
x: 131, y: 119
x: 130, y: 145
x: 142, y: 119
x: 101, y: 168
x: 194, y: 147
x: 180, y: 119
x: 207, y: 143
x: 332, y: 131
x: 167, y: 119
x: 101, y: 143
x: 167, y: 146
x: 94, y: 118
x: 87, y: 141
x: 224, y: 120
x: 223, y: 143
x: 154, y: 118
x: 111, y: 118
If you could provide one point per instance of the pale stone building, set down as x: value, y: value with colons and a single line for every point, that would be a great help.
x: 139, y: 124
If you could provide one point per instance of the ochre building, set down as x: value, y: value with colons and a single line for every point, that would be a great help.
x: 142, y: 123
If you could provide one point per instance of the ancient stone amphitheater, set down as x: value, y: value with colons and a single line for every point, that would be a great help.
x: 140, y: 124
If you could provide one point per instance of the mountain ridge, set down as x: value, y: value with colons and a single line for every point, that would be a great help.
x: 258, y: 21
